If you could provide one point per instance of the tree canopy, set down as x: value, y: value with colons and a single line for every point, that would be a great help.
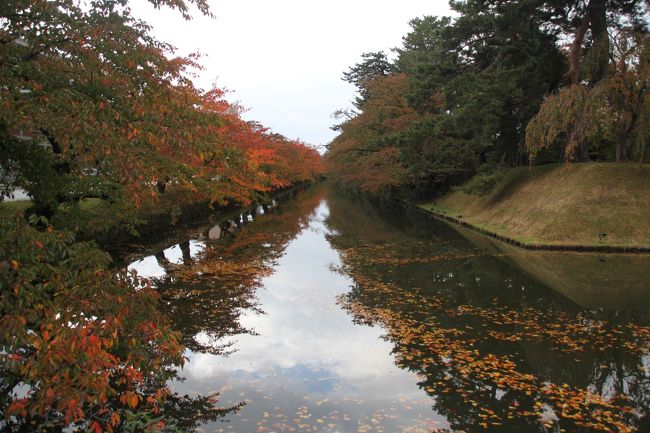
x: 502, y: 83
x: 95, y: 107
x: 104, y: 96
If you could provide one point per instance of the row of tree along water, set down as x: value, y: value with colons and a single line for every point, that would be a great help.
x: 503, y: 83
x: 102, y: 125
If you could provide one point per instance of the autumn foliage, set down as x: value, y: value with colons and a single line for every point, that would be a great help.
x: 92, y: 106
x: 496, y: 350
x: 124, y: 108
x: 257, y: 161
x: 582, y: 119
x: 363, y: 155
x: 503, y: 83
x: 80, y: 345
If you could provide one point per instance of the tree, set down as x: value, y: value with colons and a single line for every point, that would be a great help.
x: 82, y: 347
x: 469, y: 87
x: 373, y: 65
x: 586, y: 22
x: 510, y: 60
x: 256, y: 162
x: 581, y: 118
x: 479, y: 85
x: 94, y: 106
x: 428, y: 57
x: 118, y: 107
x: 363, y: 154
x: 110, y: 104
x: 591, y: 21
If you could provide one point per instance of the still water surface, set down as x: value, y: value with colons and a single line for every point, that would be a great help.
x: 327, y: 312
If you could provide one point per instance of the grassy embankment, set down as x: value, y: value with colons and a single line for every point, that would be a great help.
x: 574, y: 205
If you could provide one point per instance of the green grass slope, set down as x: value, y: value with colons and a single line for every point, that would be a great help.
x: 573, y: 204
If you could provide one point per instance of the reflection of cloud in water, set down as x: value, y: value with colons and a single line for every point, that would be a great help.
x: 174, y: 254
x: 316, y: 380
x: 147, y: 267
x: 307, y: 346
x: 196, y: 247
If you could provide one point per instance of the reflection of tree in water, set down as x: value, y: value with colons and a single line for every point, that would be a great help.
x: 498, y: 351
x: 205, y: 296
x: 189, y: 413
x: 164, y: 262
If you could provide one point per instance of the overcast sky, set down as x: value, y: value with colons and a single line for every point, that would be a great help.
x: 283, y: 59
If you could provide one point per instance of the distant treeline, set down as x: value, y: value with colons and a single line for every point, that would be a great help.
x: 504, y: 83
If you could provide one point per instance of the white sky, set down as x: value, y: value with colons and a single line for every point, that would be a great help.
x: 283, y: 59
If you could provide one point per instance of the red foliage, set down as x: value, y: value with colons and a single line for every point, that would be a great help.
x: 84, y: 342
x: 124, y: 107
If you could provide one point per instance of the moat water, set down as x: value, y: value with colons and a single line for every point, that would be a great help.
x: 330, y: 312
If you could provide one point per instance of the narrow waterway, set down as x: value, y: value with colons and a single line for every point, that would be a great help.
x: 327, y: 312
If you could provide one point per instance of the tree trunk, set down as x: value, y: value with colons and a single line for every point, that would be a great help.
x: 186, y: 252
x: 45, y: 209
x: 573, y: 74
x: 522, y: 154
x: 577, y: 148
x: 600, y: 50
x: 621, y: 148
x: 596, y: 19
x: 584, y: 151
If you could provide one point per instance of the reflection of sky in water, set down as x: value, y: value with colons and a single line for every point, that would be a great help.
x: 309, y: 367
x: 196, y: 247
x: 149, y: 266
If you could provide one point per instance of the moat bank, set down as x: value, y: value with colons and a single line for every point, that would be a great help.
x: 588, y: 206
